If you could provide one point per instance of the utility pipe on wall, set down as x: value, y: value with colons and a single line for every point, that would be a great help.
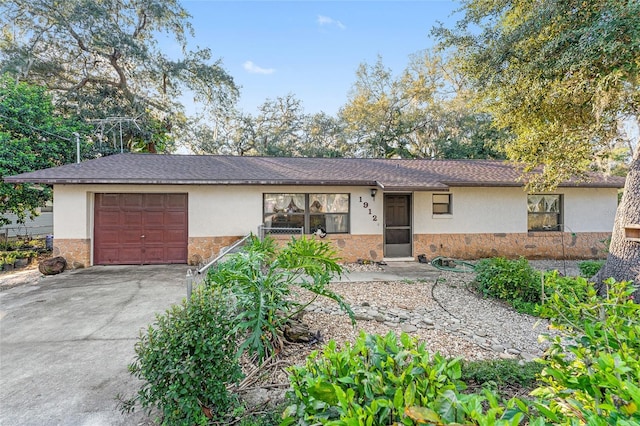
x: 77, y: 146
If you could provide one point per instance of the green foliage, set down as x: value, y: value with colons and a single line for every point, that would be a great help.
x: 500, y: 372
x: 559, y: 75
x: 592, y: 371
x: 32, y: 137
x: 517, y: 283
x: 386, y: 380
x: 370, y: 382
x: 9, y: 257
x: 262, y: 277
x: 102, y: 59
x: 589, y: 268
x: 511, y: 280
x: 424, y: 112
x: 186, y: 359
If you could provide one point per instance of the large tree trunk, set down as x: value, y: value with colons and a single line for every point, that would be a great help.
x: 623, y: 261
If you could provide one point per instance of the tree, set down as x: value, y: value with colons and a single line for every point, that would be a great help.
x: 101, y: 59
x: 281, y: 128
x: 278, y: 127
x: 561, y: 76
x: 324, y: 136
x: 232, y: 133
x: 424, y: 112
x: 32, y: 137
x: 382, y: 113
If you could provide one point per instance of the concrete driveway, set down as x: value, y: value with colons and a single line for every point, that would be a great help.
x: 66, y: 340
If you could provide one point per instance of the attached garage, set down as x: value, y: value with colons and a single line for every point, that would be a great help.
x: 139, y: 229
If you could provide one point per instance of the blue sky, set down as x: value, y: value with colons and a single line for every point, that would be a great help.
x: 311, y: 48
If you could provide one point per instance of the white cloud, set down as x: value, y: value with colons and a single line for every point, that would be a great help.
x: 254, y: 69
x: 325, y: 20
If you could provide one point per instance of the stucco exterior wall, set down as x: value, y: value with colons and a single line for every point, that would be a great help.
x: 504, y: 210
x: 484, y: 221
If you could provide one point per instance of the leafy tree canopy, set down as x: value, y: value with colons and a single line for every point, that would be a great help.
x: 422, y: 113
x: 560, y: 75
x: 101, y: 59
x: 32, y: 137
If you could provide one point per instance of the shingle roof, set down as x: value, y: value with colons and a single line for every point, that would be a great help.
x: 396, y: 174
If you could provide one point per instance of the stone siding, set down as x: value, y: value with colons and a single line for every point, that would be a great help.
x: 350, y: 248
x: 203, y: 249
x: 77, y: 252
x: 532, y: 245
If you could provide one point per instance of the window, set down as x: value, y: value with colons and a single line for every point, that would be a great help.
x: 544, y: 212
x: 329, y: 212
x: 441, y: 203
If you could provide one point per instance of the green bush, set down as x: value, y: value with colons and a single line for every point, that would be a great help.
x: 511, y: 280
x: 574, y: 287
x: 371, y: 382
x: 590, y: 374
x: 589, y: 268
x: 186, y: 359
x: 592, y: 371
x: 500, y: 372
x: 261, y: 278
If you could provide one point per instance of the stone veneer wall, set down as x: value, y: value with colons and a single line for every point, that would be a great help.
x: 532, y: 245
x: 350, y: 248
x: 202, y: 249
x: 77, y: 252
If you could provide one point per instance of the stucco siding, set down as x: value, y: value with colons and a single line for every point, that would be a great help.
x: 589, y: 210
x: 474, y: 210
x: 482, y: 218
x: 504, y: 210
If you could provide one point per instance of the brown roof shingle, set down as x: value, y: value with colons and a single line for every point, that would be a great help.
x: 394, y: 174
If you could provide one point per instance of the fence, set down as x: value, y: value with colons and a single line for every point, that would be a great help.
x: 273, y: 230
x: 24, y: 233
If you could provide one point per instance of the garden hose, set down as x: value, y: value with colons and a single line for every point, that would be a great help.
x: 453, y: 265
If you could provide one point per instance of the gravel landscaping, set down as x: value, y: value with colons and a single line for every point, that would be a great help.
x: 446, y: 314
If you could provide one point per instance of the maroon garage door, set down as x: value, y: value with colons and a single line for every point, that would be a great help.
x: 136, y: 229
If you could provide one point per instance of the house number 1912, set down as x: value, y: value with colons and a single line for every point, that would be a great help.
x: 365, y: 205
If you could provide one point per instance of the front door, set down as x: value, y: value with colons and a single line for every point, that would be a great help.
x: 397, y: 225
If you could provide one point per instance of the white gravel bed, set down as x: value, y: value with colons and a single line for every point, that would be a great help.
x: 446, y: 315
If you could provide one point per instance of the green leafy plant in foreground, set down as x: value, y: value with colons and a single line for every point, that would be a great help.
x: 590, y: 374
x: 262, y: 278
x: 592, y: 371
x: 186, y: 359
x: 369, y: 382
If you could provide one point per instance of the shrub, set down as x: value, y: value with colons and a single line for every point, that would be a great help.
x: 511, y: 280
x: 500, y: 372
x: 589, y: 268
x: 261, y: 279
x: 186, y: 359
x: 590, y: 376
x: 371, y: 382
x: 598, y: 381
